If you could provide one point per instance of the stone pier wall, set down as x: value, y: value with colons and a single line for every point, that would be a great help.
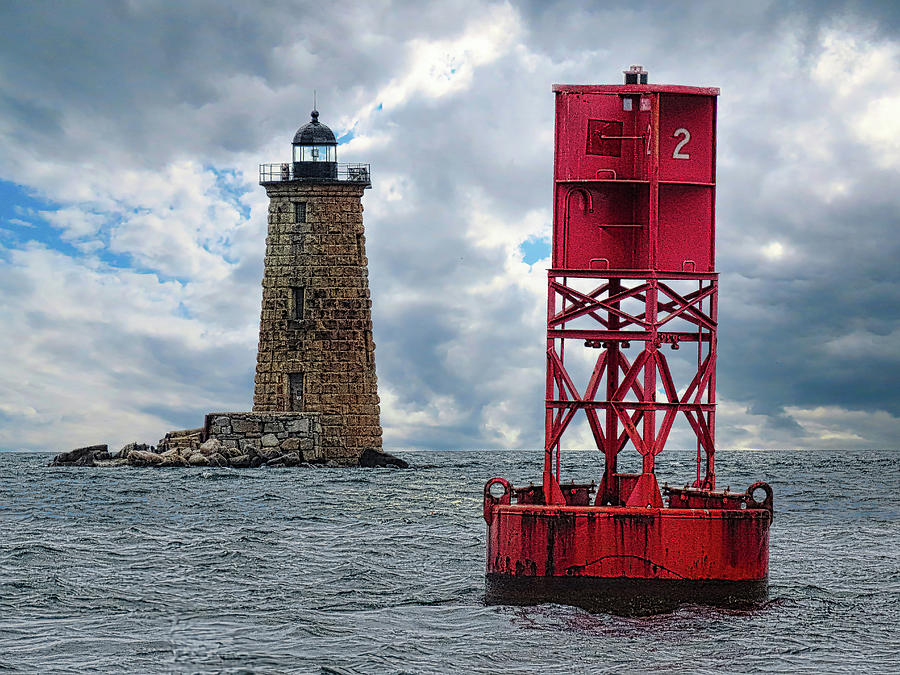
x: 268, y: 433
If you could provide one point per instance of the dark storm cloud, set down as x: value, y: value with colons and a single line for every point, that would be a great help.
x: 783, y: 322
x: 566, y: 26
x: 145, y: 68
x: 777, y: 331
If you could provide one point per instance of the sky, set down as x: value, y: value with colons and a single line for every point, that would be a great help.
x: 132, y: 224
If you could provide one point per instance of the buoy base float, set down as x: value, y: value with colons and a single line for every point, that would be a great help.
x: 705, y: 547
x: 627, y: 597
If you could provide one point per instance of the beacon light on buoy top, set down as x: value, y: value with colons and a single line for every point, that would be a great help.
x: 632, y: 280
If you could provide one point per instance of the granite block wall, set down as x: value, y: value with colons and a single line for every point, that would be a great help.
x: 268, y: 433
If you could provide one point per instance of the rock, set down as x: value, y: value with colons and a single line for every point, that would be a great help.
x: 372, y: 458
x: 87, y: 458
x: 273, y: 427
x: 219, y: 459
x: 269, y: 440
x: 269, y: 453
x: 299, y: 426
x: 276, y: 461
x: 231, y: 453
x: 211, y: 447
x: 115, y: 461
x: 173, y: 460
x: 198, y: 460
x: 256, y: 461
x: 144, y: 457
x: 292, y: 459
x: 241, y: 461
x: 80, y: 456
x: 290, y: 444
x: 124, y: 450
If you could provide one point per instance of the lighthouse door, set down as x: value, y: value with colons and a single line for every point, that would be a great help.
x: 295, y: 383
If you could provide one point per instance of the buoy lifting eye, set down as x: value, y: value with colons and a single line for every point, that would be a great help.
x: 497, y: 489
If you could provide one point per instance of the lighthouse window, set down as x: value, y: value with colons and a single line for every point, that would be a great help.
x: 296, y: 308
x: 299, y: 212
x: 314, y: 153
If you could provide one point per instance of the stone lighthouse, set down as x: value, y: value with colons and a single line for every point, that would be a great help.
x: 316, y: 353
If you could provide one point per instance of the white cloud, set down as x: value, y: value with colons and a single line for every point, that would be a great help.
x: 488, y: 228
x: 415, y: 424
x: 92, y: 348
x: 879, y: 127
x: 773, y: 250
x: 74, y: 222
x: 851, y: 61
x: 437, y: 68
x: 837, y: 427
x: 860, y: 342
x: 102, y: 350
x: 19, y: 222
x: 864, y: 74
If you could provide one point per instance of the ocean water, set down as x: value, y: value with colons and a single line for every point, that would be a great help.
x: 381, y: 571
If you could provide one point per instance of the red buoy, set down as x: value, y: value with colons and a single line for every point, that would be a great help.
x: 631, y: 345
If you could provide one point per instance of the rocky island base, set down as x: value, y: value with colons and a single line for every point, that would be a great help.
x: 237, y: 440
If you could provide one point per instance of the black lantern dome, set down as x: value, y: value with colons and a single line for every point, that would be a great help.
x: 315, y: 150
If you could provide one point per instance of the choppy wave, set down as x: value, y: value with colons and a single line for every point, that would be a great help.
x: 362, y: 571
